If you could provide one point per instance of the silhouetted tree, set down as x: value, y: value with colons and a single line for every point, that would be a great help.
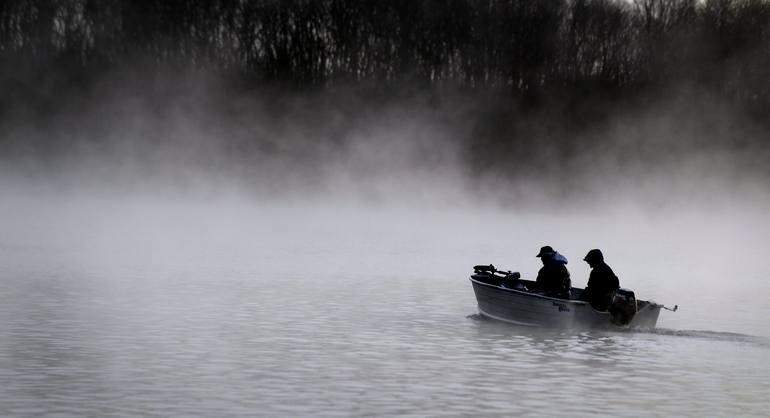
x: 525, y: 47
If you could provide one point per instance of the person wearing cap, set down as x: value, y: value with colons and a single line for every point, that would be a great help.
x: 601, y: 282
x: 553, y: 278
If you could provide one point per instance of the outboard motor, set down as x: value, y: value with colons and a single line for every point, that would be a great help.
x: 623, y: 306
x: 489, y: 274
x: 484, y: 269
x: 486, y: 274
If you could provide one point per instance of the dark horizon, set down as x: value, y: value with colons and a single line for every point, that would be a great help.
x: 524, y: 49
x: 571, y: 97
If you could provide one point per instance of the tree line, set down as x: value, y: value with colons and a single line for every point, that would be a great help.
x: 521, y: 46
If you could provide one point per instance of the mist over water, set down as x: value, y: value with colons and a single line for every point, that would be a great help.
x: 263, y: 208
x: 709, y: 261
x: 199, y: 254
x: 150, y: 304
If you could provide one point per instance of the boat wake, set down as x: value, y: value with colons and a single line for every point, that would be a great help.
x: 712, y: 335
x: 724, y: 336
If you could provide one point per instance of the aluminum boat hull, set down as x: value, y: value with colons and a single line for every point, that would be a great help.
x: 531, y: 309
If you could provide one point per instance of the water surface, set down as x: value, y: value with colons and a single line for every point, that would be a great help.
x: 260, y: 312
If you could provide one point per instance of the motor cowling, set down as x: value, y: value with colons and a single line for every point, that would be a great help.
x: 623, y: 306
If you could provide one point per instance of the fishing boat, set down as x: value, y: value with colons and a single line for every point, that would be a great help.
x: 504, y: 296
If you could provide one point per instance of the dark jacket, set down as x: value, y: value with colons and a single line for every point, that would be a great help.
x: 553, y: 279
x: 601, y: 283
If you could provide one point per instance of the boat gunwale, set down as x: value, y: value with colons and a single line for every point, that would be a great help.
x: 521, y: 292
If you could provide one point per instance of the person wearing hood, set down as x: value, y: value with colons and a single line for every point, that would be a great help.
x: 601, y: 282
x: 553, y: 278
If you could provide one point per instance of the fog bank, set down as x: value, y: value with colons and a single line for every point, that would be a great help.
x: 202, y: 136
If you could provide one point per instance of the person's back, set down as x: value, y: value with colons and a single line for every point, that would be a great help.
x: 601, y: 282
x: 553, y: 278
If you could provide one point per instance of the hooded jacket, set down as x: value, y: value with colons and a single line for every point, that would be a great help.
x: 601, y: 283
x: 553, y: 278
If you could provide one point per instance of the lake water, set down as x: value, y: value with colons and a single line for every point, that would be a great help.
x: 136, y: 308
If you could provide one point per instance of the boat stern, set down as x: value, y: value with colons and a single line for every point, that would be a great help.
x: 646, y: 316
